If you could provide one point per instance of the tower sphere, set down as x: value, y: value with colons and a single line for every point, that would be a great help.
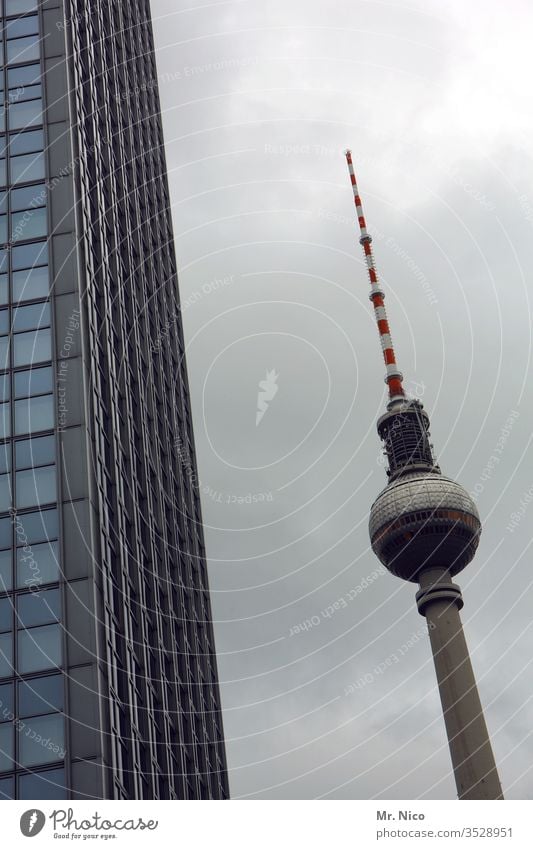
x: 423, y: 520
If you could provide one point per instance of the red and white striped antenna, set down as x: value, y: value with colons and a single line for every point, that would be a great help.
x: 394, y: 377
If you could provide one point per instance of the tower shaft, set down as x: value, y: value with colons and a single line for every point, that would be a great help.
x: 474, y: 767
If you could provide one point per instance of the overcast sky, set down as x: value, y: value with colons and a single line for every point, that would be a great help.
x: 259, y: 102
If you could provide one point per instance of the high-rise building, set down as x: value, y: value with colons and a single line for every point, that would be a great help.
x: 425, y: 528
x: 108, y: 677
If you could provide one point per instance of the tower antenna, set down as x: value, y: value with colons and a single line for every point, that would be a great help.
x: 394, y: 377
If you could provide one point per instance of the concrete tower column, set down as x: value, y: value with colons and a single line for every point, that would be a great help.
x: 440, y: 601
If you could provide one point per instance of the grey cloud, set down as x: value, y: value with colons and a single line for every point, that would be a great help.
x: 260, y: 191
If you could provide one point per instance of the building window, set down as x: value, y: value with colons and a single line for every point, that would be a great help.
x: 6, y: 655
x: 39, y: 648
x: 6, y: 620
x: 6, y: 747
x: 30, y: 271
x: 41, y: 704
x: 41, y: 740
x: 6, y: 498
x: 32, y: 453
x: 28, y: 224
x: 29, y: 256
x: 32, y: 317
x: 7, y: 788
x: 33, y: 531
x: 20, y: 7
x: 28, y: 197
x: 25, y: 169
x: 25, y: 114
x: 22, y: 27
x: 49, y: 784
x: 5, y: 421
x: 40, y: 695
x: 36, y: 381
x: 35, y: 487
x: 6, y: 577
x: 22, y: 49
x: 26, y: 142
x: 5, y: 533
x: 40, y: 567
x: 5, y: 389
x: 34, y: 414
x: 39, y: 526
x: 6, y: 702
x: 3, y: 217
x: 37, y: 549
x: 31, y: 284
x: 32, y: 347
x: 38, y: 608
x: 4, y: 288
x: 28, y: 210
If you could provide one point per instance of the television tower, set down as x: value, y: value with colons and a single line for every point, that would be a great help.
x: 425, y: 528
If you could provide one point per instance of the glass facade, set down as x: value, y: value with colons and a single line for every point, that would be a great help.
x: 108, y: 677
x: 32, y: 723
